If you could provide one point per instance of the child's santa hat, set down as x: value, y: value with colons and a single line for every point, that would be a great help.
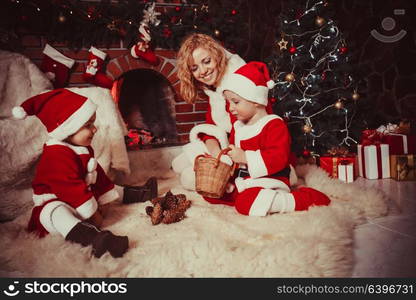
x: 251, y: 81
x: 61, y: 111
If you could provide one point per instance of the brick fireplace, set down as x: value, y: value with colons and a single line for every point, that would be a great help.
x: 119, y: 62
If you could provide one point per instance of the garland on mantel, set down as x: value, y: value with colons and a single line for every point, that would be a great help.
x: 84, y: 23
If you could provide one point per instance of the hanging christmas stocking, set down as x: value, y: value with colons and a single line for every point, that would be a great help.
x: 56, y: 66
x: 94, y: 71
x: 142, y: 49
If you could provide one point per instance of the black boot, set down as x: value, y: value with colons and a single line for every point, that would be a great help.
x: 134, y: 194
x: 106, y: 240
x: 86, y: 234
x: 82, y: 233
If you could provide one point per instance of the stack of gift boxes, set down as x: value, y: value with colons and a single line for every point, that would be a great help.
x: 386, y: 152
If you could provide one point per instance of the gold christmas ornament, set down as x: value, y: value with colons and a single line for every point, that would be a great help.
x: 290, y: 77
x: 355, y: 96
x: 319, y: 21
x: 282, y: 44
x: 307, y: 128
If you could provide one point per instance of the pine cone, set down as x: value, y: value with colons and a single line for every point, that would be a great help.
x: 157, y: 214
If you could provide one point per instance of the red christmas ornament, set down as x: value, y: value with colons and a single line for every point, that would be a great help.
x: 167, y: 32
x: 292, y: 50
x: 343, y: 50
x: 306, y: 153
x: 177, y: 8
x: 233, y: 12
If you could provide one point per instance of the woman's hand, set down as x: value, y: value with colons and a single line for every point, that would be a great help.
x: 238, y: 155
x: 213, y: 147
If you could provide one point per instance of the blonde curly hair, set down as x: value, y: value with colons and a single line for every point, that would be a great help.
x: 189, y: 86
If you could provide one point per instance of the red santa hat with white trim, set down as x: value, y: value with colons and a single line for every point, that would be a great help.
x: 61, y: 111
x: 251, y: 81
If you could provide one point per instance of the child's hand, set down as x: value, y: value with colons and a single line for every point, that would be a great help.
x: 237, y: 155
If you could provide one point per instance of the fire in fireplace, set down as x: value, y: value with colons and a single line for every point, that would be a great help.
x: 146, y: 101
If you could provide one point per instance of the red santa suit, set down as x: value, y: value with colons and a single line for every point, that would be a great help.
x: 218, y: 125
x: 262, y: 185
x: 67, y: 175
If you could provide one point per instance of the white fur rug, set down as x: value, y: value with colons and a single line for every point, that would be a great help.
x: 213, y: 241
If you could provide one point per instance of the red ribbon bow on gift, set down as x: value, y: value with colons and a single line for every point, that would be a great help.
x: 371, y: 137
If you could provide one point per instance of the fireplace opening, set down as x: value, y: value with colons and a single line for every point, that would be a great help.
x: 146, y: 101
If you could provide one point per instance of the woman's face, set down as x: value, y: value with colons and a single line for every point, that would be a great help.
x: 204, y: 66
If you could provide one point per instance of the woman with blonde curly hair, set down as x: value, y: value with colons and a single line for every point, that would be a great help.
x: 203, y: 63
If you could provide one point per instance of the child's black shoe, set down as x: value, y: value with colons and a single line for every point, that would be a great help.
x: 134, y: 194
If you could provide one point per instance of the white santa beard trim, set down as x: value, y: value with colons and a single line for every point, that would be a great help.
x: 88, y: 208
x: 244, y: 132
x: 193, y: 149
x: 58, y: 56
x: 42, y: 198
x: 283, y: 202
x: 98, y: 52
x: 212, y: 130
x: 45, y: 217
x: 77, y: 149
x: 262, y: 203
x: 268, y: 183
x: 255, y: 164
x: 63, y: 219
x: 246, y: 88
x: 219, y: 114
x: 75, y: 121
x: 108, y: 197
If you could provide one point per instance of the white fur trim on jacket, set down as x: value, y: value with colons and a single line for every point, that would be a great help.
x: 216, y: 99
x: 39, y: 200
x: 212, y: 130
x: 255, y: 164
x: 77, y: 149
x: 219, y: 114
x: 267, y: 183
x: 108, y: 197
x: 244, y: 132
x: 193, y: 149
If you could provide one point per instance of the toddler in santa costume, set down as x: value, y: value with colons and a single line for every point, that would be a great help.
x: 260, y: 144
x: 69, y: 184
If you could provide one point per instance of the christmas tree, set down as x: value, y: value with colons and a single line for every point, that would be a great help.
x: 316, y: 89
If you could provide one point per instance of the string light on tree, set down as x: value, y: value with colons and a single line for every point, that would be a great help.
x: 319, y: 21
x: 339, y: 104
x: 355, y: 96
x: 314, y: 79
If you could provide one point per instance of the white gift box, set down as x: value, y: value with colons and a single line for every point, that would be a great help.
x: 374, y: 161
x: 346, y: 172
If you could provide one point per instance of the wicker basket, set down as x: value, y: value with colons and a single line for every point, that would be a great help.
x: 212, y: 175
